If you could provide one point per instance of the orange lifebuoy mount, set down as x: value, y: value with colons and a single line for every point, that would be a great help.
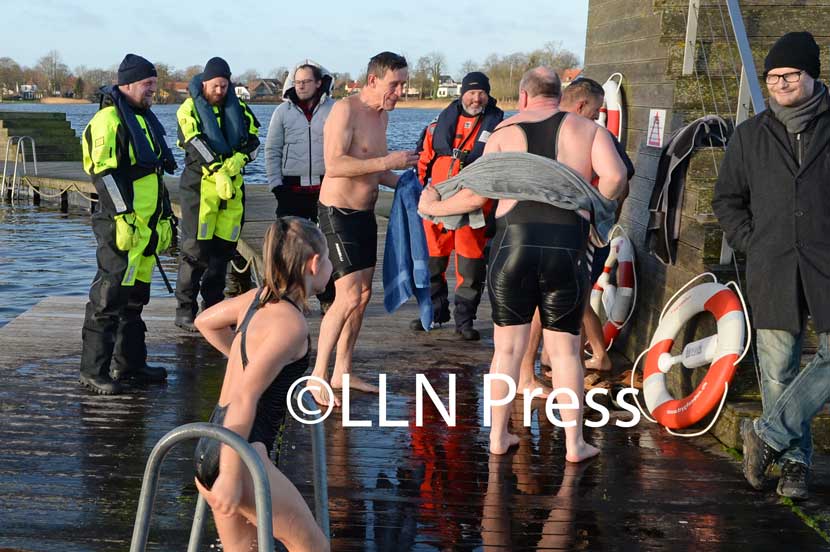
x: 611, y: 114
x: 721, y: 352
x: 618, y: 299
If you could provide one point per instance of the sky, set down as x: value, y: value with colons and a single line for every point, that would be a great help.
x: 339, y: 34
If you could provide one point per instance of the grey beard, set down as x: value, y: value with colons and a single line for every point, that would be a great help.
x: 473, y: 111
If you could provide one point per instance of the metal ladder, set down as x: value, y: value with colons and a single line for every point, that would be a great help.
x: 20, y: 152
x: 262, y: 493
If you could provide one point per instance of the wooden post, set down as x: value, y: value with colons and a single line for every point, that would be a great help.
x: 64, y: 202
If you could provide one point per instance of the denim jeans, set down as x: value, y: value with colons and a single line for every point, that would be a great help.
x: 791, y: 397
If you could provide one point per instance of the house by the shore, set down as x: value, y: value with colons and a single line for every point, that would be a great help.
x: 264, y: 90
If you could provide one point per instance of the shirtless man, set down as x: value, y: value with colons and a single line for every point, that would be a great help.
x: 529, y: 264
x: 357, y: 160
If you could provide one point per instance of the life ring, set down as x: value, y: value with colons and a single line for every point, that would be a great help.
x: 617, y: 300
x: 611, y: 113
x: 721, y: 351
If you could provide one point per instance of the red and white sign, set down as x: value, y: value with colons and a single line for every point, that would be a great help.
x: 656, y: 126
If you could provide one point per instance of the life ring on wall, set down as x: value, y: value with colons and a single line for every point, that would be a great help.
x: 617, y: 300
x: 721, y: 352
x: 611, y: 113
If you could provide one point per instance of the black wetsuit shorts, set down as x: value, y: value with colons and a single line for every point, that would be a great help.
x: 352, y: 238
x: 537, y: 260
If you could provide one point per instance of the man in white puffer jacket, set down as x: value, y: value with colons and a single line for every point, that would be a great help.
x: 294, y: 147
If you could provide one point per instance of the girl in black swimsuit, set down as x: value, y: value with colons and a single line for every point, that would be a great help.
x: 266, y: 354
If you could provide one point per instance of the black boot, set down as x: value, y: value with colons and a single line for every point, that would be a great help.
x: 468, y: 334
x: 145, y: 374
x: 184, y: 320
x: 464, y: 314
x: 102, y: 385
x: 793, y: 482
x: 129, y: 359
x: 758, y: 456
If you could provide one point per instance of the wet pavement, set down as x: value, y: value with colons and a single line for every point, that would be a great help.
x: 70, y: 470
x: 72, y: 462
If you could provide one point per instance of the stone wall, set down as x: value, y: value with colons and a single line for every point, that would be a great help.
x: 644, y: 40
x: 54, y: 138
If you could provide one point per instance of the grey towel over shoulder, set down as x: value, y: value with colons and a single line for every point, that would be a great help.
x: 526, y: 177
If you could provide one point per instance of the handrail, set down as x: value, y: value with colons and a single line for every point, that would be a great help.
x: 20, y: 151
x: 149, y: 487
x: 198, y: 430
x: 320, y: 477
x: 320, y: 469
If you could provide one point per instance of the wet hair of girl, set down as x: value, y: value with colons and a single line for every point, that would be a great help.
x: 289, y: 243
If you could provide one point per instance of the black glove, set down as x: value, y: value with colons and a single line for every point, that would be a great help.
x: 170, y: 165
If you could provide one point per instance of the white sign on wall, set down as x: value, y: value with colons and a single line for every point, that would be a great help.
x: 656, y: 127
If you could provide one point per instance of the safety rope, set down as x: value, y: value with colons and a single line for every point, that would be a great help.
x: 244, y: 268
x: 70, y: 187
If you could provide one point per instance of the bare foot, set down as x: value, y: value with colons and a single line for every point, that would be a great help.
x: 501, y: 446
x: 582, y: 453
x: 591, y: 380
x: 321, y: 395
x: 601, y: 363
x: 529, y: 386
x: 355, y: 383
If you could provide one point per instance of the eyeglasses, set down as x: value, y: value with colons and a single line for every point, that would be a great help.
x: 306, y: 82
x: 788, y: 77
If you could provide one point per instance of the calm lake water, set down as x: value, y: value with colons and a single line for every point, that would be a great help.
x: 405, y: 126
x: 44, y: 252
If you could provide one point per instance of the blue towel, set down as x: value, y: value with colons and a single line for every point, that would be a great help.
x: 405, y: 258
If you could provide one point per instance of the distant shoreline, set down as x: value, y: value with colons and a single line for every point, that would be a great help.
x: 63, y: 101
x: 441, y: 104
x: 509, y: 105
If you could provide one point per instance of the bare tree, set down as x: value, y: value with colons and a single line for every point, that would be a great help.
x: 95, y: 79
x: 191, y: 72
x: 557, y: 57
x: 422, y: 75
x: 78, y: 90
x: 10, y: 73
x: 280, y: 73
x: 468, y: 67
x: 248, y: 76
x: 437, y: 63
x: 54, y: 70
x: 165, y: 91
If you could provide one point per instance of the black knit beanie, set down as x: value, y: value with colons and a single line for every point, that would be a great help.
x: 797, y: 50
x: 216, y: 67
x: 135, y: 68
x: 475, y: 81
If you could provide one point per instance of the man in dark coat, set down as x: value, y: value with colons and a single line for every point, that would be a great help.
x: 772, y: 201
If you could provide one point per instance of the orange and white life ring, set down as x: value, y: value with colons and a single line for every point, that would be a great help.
x: 720, y: 351
x: 617, y: 300
x: 611, y: 114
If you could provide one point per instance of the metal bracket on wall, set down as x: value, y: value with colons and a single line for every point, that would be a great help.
x: 691, y: 38
x: 749, y: 91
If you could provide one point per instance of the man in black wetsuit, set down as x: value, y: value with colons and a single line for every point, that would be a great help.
x: 537, y: 257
